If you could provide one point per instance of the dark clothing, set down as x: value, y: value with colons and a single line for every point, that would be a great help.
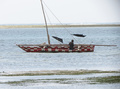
x: 71, y: 45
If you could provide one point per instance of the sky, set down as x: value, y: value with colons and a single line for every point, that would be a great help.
x: 67, y: 11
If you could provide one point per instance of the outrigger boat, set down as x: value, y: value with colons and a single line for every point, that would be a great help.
x: 56, y: 47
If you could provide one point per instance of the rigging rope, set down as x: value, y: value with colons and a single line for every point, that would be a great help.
x: 59, y: 21
x: 51, y: 25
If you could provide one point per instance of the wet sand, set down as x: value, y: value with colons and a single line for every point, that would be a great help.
x: 59, y: 78
x: 54, y: 72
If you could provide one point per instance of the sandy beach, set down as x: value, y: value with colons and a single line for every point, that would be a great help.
x: 56, y: 26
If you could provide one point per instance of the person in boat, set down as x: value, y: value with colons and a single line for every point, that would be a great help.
x: 71, y: 45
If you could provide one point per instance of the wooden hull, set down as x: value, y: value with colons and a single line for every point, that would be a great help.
x: 56, y: 48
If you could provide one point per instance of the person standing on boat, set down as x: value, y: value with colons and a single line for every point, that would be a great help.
x: 71, y: 45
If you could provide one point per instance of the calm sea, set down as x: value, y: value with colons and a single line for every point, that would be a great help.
x: 14, y: 59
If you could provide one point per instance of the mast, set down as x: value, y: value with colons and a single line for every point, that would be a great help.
x: 45, y: 22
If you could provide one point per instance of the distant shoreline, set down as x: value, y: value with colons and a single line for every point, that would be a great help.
x: 57, y: 26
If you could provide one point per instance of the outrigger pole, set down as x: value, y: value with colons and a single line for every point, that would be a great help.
x: 45, y: 22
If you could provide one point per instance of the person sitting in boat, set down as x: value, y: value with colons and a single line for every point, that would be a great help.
x: 71, y: 45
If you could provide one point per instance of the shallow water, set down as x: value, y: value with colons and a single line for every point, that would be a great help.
x: 13, y: 59
x: 56, y: 81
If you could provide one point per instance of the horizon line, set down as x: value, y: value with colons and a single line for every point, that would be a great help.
x: 55, y: 26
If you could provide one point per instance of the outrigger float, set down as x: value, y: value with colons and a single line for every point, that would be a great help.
x: 57, y: 47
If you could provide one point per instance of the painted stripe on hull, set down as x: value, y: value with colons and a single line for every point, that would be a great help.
x: 86, y: 48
